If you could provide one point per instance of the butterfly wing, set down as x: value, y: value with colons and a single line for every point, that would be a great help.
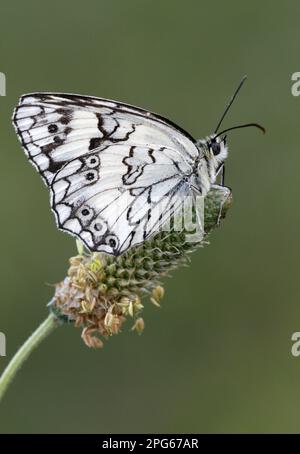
x: 71, y: 138
x: 118, y: 196
x: 55, y: 128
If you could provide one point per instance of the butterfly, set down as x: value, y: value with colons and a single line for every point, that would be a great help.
x: 116, y: 173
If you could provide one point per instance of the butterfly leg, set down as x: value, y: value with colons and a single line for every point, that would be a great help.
x: 224, y: 195
x: 221, y: 172
x: 223, y: 175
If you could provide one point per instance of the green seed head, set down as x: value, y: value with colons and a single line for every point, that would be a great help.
x: 101, y: 291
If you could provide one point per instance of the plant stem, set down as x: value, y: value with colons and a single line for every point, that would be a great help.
x: 24, y: 351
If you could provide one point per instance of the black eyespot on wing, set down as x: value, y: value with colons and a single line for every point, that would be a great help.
x: 52, y: 128
x: 112, y: 242
x: 90, y: 176
x: 92, y: 161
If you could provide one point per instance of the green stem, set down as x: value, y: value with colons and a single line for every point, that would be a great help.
x: 24, y: 351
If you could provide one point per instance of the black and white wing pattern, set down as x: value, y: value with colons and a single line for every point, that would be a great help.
x: 116, y: 173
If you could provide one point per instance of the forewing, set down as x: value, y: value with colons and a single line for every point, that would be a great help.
x: 56, y: 128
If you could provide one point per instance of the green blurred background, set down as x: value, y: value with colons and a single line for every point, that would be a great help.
x: 216, y: 357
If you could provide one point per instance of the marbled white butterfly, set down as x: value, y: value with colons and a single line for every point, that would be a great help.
x: 94, y: 154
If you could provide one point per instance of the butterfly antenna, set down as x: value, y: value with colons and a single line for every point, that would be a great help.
x: 230, y: 103
x: 247, y: 125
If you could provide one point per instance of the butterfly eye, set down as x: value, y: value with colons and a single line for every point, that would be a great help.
x: 215, y: 148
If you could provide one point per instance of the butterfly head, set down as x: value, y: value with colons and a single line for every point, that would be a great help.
x: 216, y: 149
x: 217, y: 153
x: 213, y: 151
